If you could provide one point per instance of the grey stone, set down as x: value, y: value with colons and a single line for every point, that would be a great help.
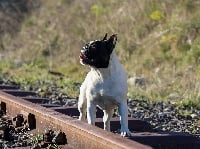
x: 138, y: 82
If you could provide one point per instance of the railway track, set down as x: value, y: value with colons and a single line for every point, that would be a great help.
x: 40, y: 115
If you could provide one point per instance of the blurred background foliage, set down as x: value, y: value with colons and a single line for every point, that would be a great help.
x: 158, y: 40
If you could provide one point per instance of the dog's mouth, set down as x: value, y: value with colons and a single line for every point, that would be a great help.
x: 84, y: 60
x: 82, y: 56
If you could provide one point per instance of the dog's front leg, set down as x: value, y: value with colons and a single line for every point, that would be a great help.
x: 123, y: 112
x: 82, y: 102
x: 82, y: 107
x: 91, y: 113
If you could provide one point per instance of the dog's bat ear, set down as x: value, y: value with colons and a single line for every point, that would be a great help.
x: 113, y: 39
x: 105, y: 37
x: 111, y: 42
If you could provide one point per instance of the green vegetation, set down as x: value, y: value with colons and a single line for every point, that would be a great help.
x: 159, y: 40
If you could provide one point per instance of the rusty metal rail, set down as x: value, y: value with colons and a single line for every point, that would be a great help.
x: 41, y: 116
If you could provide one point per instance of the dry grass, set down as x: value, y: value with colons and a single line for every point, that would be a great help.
x: 158, y: 40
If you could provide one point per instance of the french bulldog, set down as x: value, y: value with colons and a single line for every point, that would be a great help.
x: 105, y: 85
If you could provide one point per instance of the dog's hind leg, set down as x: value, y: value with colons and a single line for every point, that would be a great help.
x: 106, y: 118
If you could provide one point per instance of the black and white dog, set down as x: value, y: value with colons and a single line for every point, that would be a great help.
x: 105, y: 85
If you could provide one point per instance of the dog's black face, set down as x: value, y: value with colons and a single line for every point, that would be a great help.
x: 97, y: 53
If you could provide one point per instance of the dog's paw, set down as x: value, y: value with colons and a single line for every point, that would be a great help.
x: 125, y: 133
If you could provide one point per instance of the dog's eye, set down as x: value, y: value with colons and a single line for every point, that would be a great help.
x: 92, y: 46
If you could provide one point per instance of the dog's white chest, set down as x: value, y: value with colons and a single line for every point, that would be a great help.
x: 103, y: 88
x: 103, y: 94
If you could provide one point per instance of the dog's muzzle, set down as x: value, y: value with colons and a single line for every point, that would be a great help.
x: 83, y: 57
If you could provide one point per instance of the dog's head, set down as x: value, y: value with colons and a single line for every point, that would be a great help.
x: 97, y: 53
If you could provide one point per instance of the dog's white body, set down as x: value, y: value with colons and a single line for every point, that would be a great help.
x: 106, y: 88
